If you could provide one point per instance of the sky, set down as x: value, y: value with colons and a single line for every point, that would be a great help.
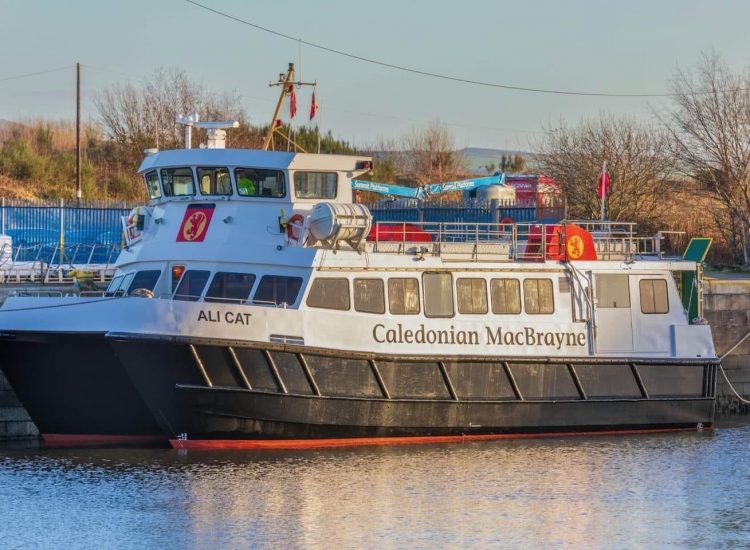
x: 625, y: 47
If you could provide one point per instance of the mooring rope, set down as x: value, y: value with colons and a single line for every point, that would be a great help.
x: 724, y: 374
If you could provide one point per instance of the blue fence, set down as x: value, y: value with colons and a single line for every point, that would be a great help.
x: 88, y: 233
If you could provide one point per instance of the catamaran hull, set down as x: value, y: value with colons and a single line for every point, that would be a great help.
x: 75, y: 390
x: 216, y: 395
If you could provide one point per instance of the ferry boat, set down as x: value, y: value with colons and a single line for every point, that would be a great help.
x: 256, y: 305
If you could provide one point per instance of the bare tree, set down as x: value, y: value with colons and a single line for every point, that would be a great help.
x: 638, y: 159
x: 710, y: 128
x: 432, y: 154
x: 138, y: 118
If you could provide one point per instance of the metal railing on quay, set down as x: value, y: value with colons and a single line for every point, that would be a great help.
x: 55, y: 264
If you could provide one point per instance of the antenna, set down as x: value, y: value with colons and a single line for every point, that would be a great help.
x: 217, y: 134
x: 216, y: 130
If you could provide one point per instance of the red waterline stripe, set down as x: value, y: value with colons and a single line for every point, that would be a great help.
x: 84, y: 440
x: 280, y: 444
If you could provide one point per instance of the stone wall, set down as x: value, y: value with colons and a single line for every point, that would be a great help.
x: 727, y: 309
x: 14, y: 421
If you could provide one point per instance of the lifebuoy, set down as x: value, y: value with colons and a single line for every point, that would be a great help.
x: 294, y: 226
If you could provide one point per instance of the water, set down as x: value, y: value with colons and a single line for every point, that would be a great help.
x: 687, y: 490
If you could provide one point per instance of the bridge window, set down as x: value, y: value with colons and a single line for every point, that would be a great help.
x: 438, y: 294
x: 191, y: 285
x: 506, y: 296
x: 472, y: 296
x: 315, y: 185
x: 214, y: 181
x: 178, y: 182
x: 329, y: 293
x: 144, y: 279
x: 537, y: 296
x: 612, y: 291
x: 113, y: 286
x: 277, y: 290
x: 152, y: 185
x: 230, y: 287
x: 403, y: 296
x: 258, y: 182
x: 369, y: 295
x: 654, y: 296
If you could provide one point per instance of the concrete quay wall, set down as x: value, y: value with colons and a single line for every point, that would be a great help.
x: 726, y: 301
x: 14, y: 420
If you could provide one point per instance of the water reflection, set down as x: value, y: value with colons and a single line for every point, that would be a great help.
x: 648, y: 491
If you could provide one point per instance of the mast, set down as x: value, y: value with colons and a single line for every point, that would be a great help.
x: 78, y: 133
x: 286, y: 82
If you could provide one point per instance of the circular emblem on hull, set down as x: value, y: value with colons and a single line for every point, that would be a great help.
x: 575, y: 247
x: 195, y: 226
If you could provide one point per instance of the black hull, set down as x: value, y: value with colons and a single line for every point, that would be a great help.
x: 75, y: 390
x: 209, y: 391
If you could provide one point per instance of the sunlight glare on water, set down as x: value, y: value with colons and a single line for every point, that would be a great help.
x: 681, y: 490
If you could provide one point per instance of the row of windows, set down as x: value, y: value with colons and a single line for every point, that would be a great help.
x: 404, y: 295
x: 225, y: 287
x: 612, y: 291
x: 250, y: 182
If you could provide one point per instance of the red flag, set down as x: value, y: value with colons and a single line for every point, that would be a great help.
x: 603, y: 182
x: 313, y: 106
x: 292, y: 101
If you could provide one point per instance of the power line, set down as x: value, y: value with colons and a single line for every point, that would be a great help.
x: 421, y: 72
x: 411, y: 119
x: 19, y: 76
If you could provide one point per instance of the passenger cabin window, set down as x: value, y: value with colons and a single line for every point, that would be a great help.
x: 258, y: 182
x: 229, y: 287
x: 178, y: 182
x: 472, y: 296
x: 315, y: 185
x: 612, y: 291
x: 654, y: 296
x: 277, y: 290
x: 403, y: 296
x: 214, y: 181
x: 145, y: 279
x: 537, y: 296
x: 191, y: 285
x: 506, y: 296
x: 438, y: 294
x: 369, y: 295
x: 329, y: 293
x: 152, y: 185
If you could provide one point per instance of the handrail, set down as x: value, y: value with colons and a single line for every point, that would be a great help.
x: 523, y: 241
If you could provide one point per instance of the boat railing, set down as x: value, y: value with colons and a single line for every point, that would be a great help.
x: 508, y: 242
x: 27, y: 293
x: 210, y: 300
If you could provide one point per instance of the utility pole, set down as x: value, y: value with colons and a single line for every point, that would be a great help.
x: 286, y: 82
x: 78, y: 133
